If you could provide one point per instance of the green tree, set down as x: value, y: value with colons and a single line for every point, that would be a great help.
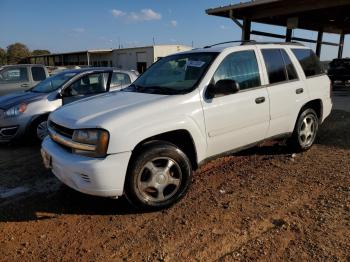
x: 3, y: 58
x: 17, y: 52
x: 41, y: 52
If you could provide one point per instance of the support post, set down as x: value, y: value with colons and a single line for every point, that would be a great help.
x: 319, y: 43
x: 246, y: 29
x: 88, y: 58
x: 341, y: 45
x: 289, y: 33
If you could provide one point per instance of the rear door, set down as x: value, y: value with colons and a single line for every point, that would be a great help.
x: 237, y: 120
x: 14, y: 79
x: 285, y: 89
x: 87, y: 85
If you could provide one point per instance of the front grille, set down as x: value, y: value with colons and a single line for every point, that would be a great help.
x: 64, y: 131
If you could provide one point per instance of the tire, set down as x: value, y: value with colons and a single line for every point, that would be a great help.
x: 38, y: 130
x: 305, y: 130
x: 158, y: 176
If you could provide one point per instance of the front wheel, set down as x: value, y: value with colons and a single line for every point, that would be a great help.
x: 305, y: 131
x: 41, y: 130
x: 158, y: 176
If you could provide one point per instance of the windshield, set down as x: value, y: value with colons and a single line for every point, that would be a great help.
x: 176, y: 74
x: 53, y: 83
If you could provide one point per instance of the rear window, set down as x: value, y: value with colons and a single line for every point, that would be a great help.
x: 274, y: 65
x: 38, y: 73
x: 308, y: 61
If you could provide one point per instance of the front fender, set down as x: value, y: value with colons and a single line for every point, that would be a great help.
x: 129, y: 138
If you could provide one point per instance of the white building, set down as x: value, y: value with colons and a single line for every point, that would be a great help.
x: 137, y: 58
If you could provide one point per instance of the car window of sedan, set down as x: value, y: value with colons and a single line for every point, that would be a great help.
x: 88, y: 84
x: 120, y: 79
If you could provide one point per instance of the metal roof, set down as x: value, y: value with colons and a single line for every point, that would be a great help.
x: 331, y: 16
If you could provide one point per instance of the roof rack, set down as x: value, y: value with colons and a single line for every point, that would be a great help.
x: 231, y: 42
x: 253, y: 42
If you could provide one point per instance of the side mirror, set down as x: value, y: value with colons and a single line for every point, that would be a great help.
x: 222, y: 87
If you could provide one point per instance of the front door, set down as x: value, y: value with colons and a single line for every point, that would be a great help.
x: 240, y: 119
x: 86, y: 86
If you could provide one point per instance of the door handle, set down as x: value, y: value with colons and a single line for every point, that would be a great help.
x: 260, y: 100
x: 24, y: 85
x: 299, y: 91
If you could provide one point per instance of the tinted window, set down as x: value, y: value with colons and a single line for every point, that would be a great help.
x: 308, y: 61
x: 14, y: 74
x: 120, y: 79
x: 291, y: 72
x: 242, y: 67
x: 38, y: 73
x: 274, y: 65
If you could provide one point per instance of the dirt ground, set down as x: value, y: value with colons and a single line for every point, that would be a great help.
x: 262, y: 204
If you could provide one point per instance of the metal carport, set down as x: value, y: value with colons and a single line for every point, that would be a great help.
x: 323, y: 16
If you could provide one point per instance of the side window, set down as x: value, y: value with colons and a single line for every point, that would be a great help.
x: 240, y: 66
x: 88, y: 85
x: 119, y: 79
x: 308, y: 61
x: 291, y: 72
x: 274, y: 65
x: 38, y: 73
x: 14, y: 74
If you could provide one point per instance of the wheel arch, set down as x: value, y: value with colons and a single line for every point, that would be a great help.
x: 180, y: 138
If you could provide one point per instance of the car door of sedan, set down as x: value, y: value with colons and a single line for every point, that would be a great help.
x: 85, y: 86
x: 237, y: 120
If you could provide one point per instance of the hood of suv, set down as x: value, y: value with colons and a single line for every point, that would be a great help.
x: 10, y: 100
x: 101, y: 107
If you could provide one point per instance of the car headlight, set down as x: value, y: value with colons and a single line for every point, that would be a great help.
x: 16, y: 110
x: 96, y: 141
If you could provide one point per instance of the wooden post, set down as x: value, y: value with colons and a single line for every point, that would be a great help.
x: 246, y: 29
x: 341, y: 45
x: 289, y: 33
x: 319, y: 43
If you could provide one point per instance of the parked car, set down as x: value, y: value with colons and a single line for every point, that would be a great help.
x: 14, y: 78
x: 26, y: 112
x: 186, y: 109
x: 339, y: 71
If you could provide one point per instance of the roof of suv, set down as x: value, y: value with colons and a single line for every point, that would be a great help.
x: 220, y: 47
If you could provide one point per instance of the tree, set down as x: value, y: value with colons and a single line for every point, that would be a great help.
x: 3, y: 58
x: 17, y: 52
x: 41, y: 52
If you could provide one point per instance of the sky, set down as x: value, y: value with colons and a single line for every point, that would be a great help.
x: 62, y: 26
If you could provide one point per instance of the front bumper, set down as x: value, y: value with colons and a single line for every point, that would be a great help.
x: 100, y: 177
x: 12, y: 128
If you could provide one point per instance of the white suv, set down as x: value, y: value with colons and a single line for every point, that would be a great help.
x: 146, y: 140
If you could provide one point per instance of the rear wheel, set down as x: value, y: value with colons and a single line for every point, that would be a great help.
x: 158, y: 176
x: 305, y: 131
